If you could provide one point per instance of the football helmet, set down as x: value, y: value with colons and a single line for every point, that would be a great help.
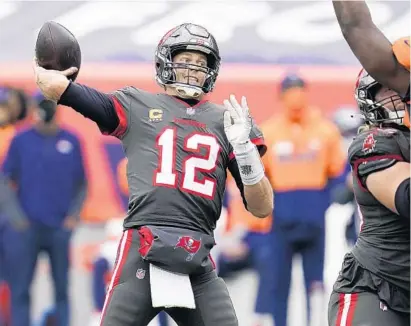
x: 187, y: 37
x: 390, y: 109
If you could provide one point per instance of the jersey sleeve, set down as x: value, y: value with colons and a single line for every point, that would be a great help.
x: 127, y: 101
x: 256, y: 136
x: 374, y: 150
x: 235, y: 172
x: 104, y: 109
x: 122, y: 100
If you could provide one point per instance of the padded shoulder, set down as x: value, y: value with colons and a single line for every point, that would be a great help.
x: 375, y: 150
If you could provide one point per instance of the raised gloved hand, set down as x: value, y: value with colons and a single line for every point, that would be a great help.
x: 237, y: 127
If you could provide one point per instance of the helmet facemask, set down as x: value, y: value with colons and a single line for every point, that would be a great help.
x: 189, y: 38
x: 389, y: 109
x: 170, y: 70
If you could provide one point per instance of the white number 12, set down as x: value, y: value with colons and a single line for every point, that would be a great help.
x: 166, y: 175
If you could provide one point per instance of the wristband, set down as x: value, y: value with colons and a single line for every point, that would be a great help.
x: 249, y: 163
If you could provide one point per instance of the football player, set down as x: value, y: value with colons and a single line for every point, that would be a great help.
x: 178, y: 147
x: 373, y: 287
x: 388, y: 63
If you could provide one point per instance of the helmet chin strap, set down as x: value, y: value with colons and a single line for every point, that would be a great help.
x: 187, y: 91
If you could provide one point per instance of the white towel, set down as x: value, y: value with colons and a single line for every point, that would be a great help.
x: 170, y: 289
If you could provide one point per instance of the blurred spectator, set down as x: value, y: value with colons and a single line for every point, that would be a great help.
x: 6, y: 127
x: 13, y: 108
x: 45, y: 164
x: 348, y: 120
x: 306, y: 156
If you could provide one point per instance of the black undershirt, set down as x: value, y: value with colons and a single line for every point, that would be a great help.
x: 402, y: 199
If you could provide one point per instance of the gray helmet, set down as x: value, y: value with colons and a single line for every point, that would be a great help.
x: 187, y: 37
x: 376, y: 112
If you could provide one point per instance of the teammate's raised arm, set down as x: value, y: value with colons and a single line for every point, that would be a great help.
x: 370, y: 46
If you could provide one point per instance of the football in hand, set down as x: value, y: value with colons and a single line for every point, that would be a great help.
x: 57, y: 48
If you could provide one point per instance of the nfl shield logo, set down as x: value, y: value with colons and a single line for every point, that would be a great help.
x: 190, y: 111
x: 140, y: 274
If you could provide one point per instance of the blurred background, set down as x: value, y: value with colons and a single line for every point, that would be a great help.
x: 287, y: 57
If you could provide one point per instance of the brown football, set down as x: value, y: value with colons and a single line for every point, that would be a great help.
x: 57, y: 48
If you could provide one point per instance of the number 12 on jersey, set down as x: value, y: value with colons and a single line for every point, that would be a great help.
x: 166, y: 175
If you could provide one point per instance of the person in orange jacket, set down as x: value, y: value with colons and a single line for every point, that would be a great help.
x: 306, y: 155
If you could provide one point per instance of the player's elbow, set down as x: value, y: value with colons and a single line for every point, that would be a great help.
x: 259, y: 198
x: 263, y: 212
x: 263, y: 208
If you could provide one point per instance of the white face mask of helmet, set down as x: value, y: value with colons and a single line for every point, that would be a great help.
x: 388, y: 109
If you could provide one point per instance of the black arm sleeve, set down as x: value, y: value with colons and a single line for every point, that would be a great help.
x: 235, y: 172
x: 402, y: 199
x: 92, y: 104
x: 371, y: 47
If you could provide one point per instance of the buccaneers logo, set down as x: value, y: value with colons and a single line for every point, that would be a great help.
x: 369, y: 144
x: 189, y: 244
